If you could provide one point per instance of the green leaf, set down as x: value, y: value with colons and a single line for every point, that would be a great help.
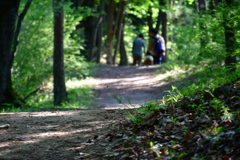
x: 219, y: 130
x: 237, y: 130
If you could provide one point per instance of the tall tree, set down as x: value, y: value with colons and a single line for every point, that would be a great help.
x: 230, y: 38
x: 227, y: 9
x: 110, y: 31
x: 96, y: 27
x: 60, y: 94
x: 123, y: 52
x: 159, y: 17
x: 89, y: 24
x: 150, y: 18
x: 164, y: 26
x: 119, y: 27
x: 99, y: 43
x: 201, y: 7
x: 99, y: 32
x: 9, y: 32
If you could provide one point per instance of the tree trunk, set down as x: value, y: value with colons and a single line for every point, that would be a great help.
x: 18, y: 29
x: 9, y: 15
x: 60, y: 94
x: 201, y: 7
x: 93, y: 37
x: 123, y: 53
x: 89, y: 31
x: 150, y: 19
x: 110, y: 32
x: 118, y: 27
x: 97, y: 21
x: 159, y: 18
x: 230, y: 38
x: 99, y: 44
x: 99, y: 33
x: 229, y: 31
x: 164, y: 29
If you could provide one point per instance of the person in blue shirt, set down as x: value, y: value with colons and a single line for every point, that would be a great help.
x: 138, y: 49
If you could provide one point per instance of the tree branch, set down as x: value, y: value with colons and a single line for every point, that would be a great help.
x: 18, y: 28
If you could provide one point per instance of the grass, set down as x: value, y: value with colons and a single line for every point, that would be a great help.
x: 189, y: 79
x: 80, y: 96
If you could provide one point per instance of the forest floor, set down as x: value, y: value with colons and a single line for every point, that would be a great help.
x: 53, y: 135
x: 204, y: 126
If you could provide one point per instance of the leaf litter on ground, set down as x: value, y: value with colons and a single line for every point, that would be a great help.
x: 203, y: 126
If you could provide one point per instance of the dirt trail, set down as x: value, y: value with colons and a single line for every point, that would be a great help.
x: 65, y: 134
x: 138, y: 84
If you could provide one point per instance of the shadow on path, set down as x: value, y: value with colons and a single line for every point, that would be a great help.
x: 138, y: 84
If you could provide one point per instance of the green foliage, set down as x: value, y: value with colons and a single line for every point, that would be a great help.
x: 79, y: 96
x: 218, y: 130
x: 217, y: 105
x: 175, y: 94
x: 136, y: 118
x: 187, y: 30
x: 190, y: 1
x: 174, y: 120
x: 9, y: 108
x: 33, y: 62
x: 137, y: 8
x: 76, y: 67
x: 149, y: 107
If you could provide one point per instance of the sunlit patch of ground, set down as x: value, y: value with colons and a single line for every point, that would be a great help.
x: 63, y: 134
x: 137, y: 85
x: 35, y: 134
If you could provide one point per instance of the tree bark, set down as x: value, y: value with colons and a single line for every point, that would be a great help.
x: 60, y: 94
x: 110, y: 31
x: 164, y: 28
x: 159, y: 18
x: 93, y: 37
x: 99, y: 32
x: 230, y: 38
x: 9, y: 15
x: 97, y: 21
x: 118, y: 28
x: 123, y: 52
x: 89, y: 25
x: 18, y: 28
x: 99, y: 44
x: 229, y: 31
x: 150, y: 19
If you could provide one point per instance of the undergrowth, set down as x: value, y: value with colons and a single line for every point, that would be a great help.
x: 189, y: 81
x: 79, y: 95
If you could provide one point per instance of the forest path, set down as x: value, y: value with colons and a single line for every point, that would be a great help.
x: 68, y: 134
x: 138, y: 84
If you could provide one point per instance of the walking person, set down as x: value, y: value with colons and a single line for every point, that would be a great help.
x: 138, y: 49
x: 156, y: 46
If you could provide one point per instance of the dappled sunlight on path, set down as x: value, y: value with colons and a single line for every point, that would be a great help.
x: 52, y: 135
x: 137, y: 84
